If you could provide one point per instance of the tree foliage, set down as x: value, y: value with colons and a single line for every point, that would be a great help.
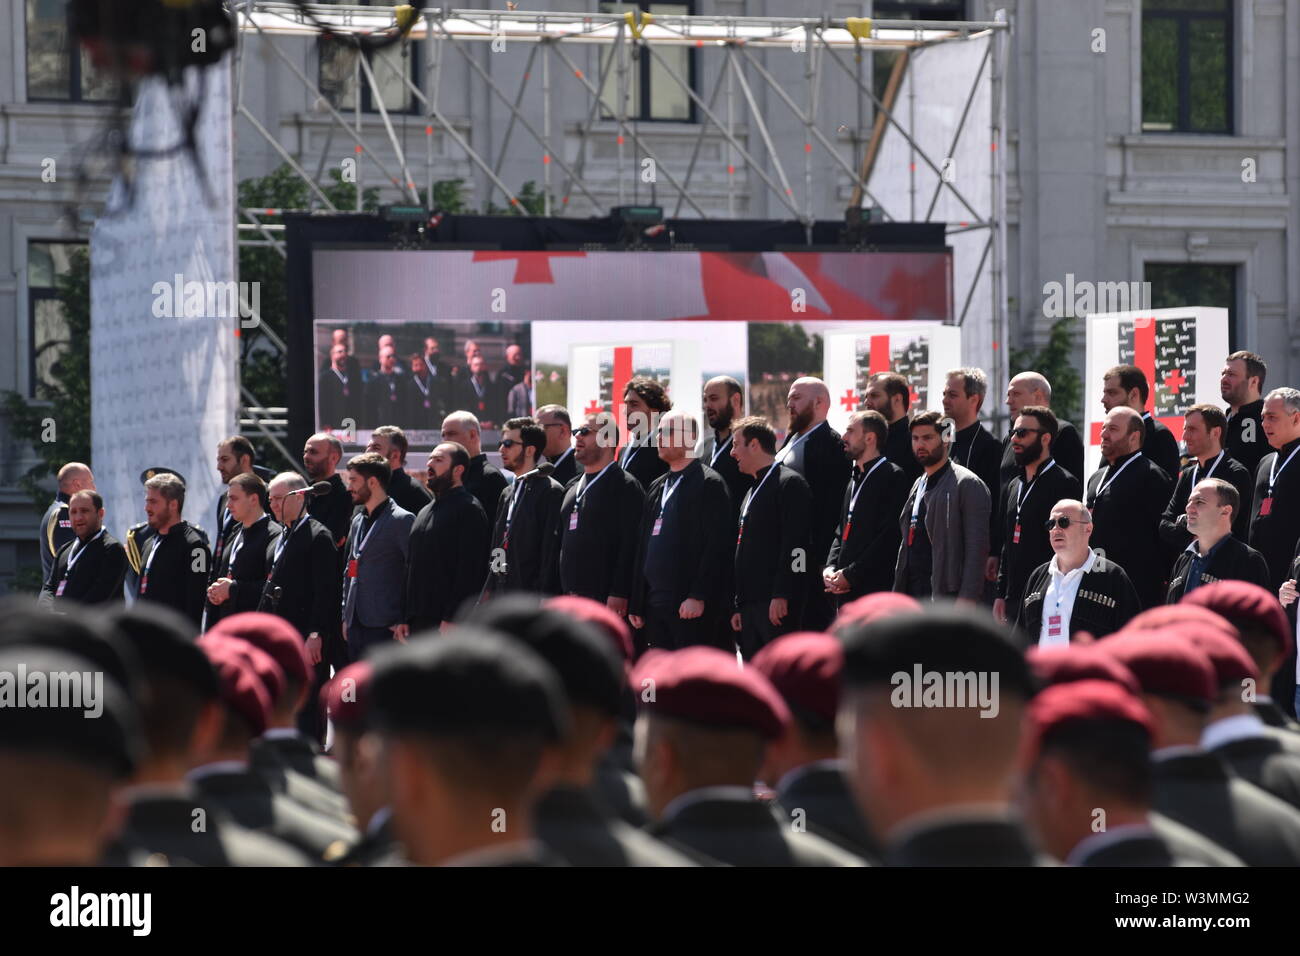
x: 1055, y: 361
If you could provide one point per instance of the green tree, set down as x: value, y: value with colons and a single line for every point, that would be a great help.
x: 57, y: 423
x: 1055, y: 361
x: 775, y: 347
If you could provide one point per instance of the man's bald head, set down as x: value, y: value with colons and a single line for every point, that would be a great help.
x: 1027, y: 388
x: 463, y: 428
x: 74, y: 477
x: 809, y: 402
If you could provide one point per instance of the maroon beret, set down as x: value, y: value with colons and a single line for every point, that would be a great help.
x: 262, y: 664
x: 1080, y: 700
x: 1164, y: 662
x: 707, y: 686
x: 593, y: 612
x: 1245, y: 605
x: 348, y: 695
x: 805, y: 669
x: 240, y: 687
x: 1174, y: 615
x: 1232, y: 664
x: 1078, y: 662
x: 278, y: 638
x: 874, y: 607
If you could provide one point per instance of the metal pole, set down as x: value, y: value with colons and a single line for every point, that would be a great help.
x: 731, y: 157
x: 408, y: 186
x: 961, y: 125
x: 998, y: 181
x: 510, y: 127
x: 620, y: 43
x: 695, y: 155
x: 356, y: 115
x: 546, y: 127
x: 284, y: 154
x: 758, y: 120
x: 809, y: 79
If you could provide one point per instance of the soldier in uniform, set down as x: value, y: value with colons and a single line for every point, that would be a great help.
x: 570, y: 817
x: 56, y: 526
x: 935, y: 783
x: 347, y: 698
x: 91, y: 568
x: 465, y: 721
x: 700, y: 743
x: 174, y: 563
x: 804, y: 765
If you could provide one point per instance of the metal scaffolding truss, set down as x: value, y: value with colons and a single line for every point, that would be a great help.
x: 550, y: 37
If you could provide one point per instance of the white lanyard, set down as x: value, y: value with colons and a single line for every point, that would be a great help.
x: 585, y: 487
x: 749, y: 498
x: 1274, y: 471
x: 629, y: 453
x: 567, y: 452
x: 1025, y: 491
x: 286, y: 535
x: 514, y: 500
x: 853, y: 502
x: 669, y: 488
x: 785, y: 453
x: 74, y: 558
x: 234, y: 549
x: 717, y: 452
x: 341, y: 377
x: 1196, y: 469
x: 424, y: 389
x: 1107, y: 483
x: 158, y: 540
x: 359, y: 546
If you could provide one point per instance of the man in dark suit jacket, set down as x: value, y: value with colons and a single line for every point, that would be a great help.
x: 524, y: 535
x: 241, y: 572
x: 681, y: 573
x: 374, y: 577
x: 555, y: 421
x: 815, y: 451
x: 644, y: 401
x: 976, y: 450
x: 56, y: 526
x: 174, y: 569
x: 597, y: 531
x: 339, y: 390
x: 481, y: 393
x: 321, y: 455
x: 772, y: 543
x: 704, y: 704
x: 1126, y: 385
x: 89, y: 569
x: 974, y: 746
x: 449, y: 548
x: 385, y: 399
x: 890, y: 394
x: 1203, y: 430
x: 1127, y: 498
x: 1241, y: 383
x: 483, y: 480
x: 861, y: 559
x: 1028, y: 502
x: 390, y: 442
x: 426, y: 401
x: 724, y: 404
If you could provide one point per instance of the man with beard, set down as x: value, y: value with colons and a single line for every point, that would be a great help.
x: 481, y: 393
x: 944, y: 523
x: 321, y: 455
x: 861, y: 558
x: 386, y: 391
x: 56, y: 526
x: 524, y: 536
x: 814, y: 450
x: 1241, y: 383
x: 555, y: 421
x: 974, y: 448
x: 889, y: 394
x: 1030, y: 496
x: 439, y: 376
x: 375, y: 573
x: 1203, y: 429
x: 448, y: 557
x: 483, y: 480
x: 390, y: 442
x: 234, y: 457
x: 1031, y: 388
x: 644, y: 401
x: 724, y: 402
x: 424, y: 404
x: 174, y: 569
x: 1126, y: 385
x: 1126, y: 499
x: 241, y: 572
x: 89, y: 569
x: 339, y: 390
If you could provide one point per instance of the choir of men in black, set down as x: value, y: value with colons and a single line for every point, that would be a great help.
x: 522, y: 711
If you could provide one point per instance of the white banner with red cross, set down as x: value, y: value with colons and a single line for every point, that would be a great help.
x: 1181, y: 352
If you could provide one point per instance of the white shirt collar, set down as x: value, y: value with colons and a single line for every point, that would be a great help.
x: 684, y: 800
x: 1237, y: 727
x: 1097, y: 841
x: 1080, y: 570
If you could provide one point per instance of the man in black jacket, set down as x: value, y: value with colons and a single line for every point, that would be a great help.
x: 174, y: 565
x: 681, y: 575
x: 1241, y: 383
x: 390, y: 442
x: 320, y: 460
x: 1275, y: 511
x: 557, y: 424
x: 1028, y: 502
x: 1031, y: 388
x: 523, y: 538
x: 483, y: 480
x: 385, y: 393
x: 724, y: 404
x: 1127, y: 497
x: 861, y: 559
x: 772, y: 541
x: 241, y: 572
x: 90, y: 568
x: 1215, y: 554
x: 976, y: 450
x: 1203, y: 429
x: 814, y: 450
x: 448, y: 556
x: 644, y: 401
x: 1126, y: 386
x: 600, y: 518
x: 303, y: 584
x: 889, y: 394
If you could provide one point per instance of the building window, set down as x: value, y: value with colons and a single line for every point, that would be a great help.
x: 653, y: 94
x: 1178, y: 285
x: 882, y: 61
x: 1187, y: 66
x: 340, y: 77
x: 57, y: 67
x: 47, y: 325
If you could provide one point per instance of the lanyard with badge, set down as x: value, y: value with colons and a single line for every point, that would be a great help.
x: 359, y: 546
x: 72, y: 561
x: 510, y: 512
x: 1023, y: 496
x: 158, y: 541
x: 1266, y: 506
x: 718, y: 452
x: 669, y: 488
x: 343, y: 379
x: 424, y: 390
x: 581, y: 493
x: 916, y: 509
x: 853, y: 501
x: 1196, y: 469
x: 785, y: 453
x: 1110, y: 480
x: 227, y: 519
x: 749, y: 500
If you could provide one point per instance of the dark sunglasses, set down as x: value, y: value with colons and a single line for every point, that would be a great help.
x: 1063, y: 521
x: 508, y: 443
x: 1022, y: 432
x: 584, y: 430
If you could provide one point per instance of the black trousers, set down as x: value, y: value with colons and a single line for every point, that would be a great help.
x: 361, y: 638
x: 666, y: 630
x: 757, y: 631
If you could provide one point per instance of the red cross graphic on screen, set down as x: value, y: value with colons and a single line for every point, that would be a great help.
x: 850, y: 399
x: 1175, y: 381
x: 593, y: 407
x: 529, y: 266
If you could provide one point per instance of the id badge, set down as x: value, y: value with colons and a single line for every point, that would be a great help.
x: 573, y: 520
x: 659, y: 524
x: 740, y: 531
x: 1054, y: 625
x: 1015, y: 538
x: 848, y: 529
x: 352, y: 568
x: 63, y: 583
x: 144, y: 583
x: 911, y: 533
x: 1266, y: 506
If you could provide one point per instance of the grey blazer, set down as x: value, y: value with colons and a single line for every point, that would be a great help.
x: 957, y: 521
x: 374, y: 597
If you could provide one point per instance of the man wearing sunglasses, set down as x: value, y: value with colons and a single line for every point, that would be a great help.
x: 524, y: 535
x: 1079, y: 589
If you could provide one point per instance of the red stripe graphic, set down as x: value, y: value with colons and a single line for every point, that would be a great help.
x: 879, y: 354
x: 622, y: 375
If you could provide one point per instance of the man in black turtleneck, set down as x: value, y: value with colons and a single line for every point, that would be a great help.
x: 724, y: 403
x: 889, y: 394
x: 524, y: 534
x: 1241, y: 383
